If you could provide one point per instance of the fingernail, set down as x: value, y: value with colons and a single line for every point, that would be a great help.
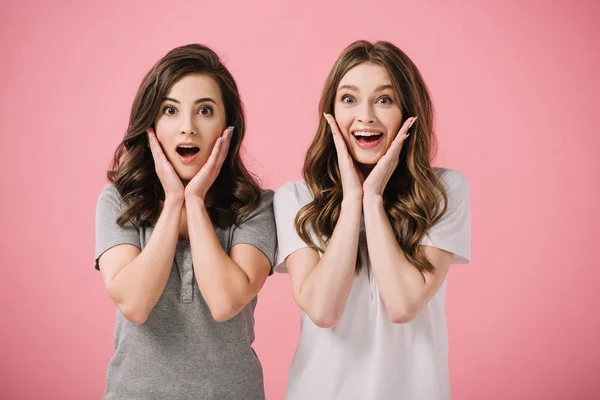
x: 231, y: 131
x: 222, y: 139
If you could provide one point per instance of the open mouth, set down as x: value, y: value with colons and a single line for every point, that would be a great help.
x: 187, y: 151
x: 367, y: 138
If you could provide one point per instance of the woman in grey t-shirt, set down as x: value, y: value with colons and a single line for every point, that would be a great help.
x: 185, y: 239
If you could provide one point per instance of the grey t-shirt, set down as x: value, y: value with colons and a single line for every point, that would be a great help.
x: 181, y: 352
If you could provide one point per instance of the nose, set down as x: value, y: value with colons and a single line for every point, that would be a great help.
x: 366, y: 114
x: 187, y: 126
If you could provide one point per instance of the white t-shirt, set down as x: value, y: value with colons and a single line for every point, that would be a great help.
x: 366, y: 356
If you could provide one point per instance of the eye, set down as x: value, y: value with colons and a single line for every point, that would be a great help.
x: 168, y: 110
x: 385, y: 100
x: 204, y: 110
x: 348, y: 99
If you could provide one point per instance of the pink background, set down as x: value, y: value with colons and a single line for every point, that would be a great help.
x: 515, y: 85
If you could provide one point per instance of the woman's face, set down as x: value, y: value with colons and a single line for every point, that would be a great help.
x: 367, y: 112
x: 190, y: 120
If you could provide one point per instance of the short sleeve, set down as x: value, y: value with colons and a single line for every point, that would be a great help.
x: 453, y: 231
x: 286, y: 204
x: 258, y: 229
x: 108, y: 233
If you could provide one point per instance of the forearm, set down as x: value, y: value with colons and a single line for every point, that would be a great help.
x: 137, y: 287
x: 401, y: 284
x: 224, y: 285
x: 325, y: 289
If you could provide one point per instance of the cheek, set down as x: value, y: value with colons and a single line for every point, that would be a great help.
x: 212, y: 133
x: 392, y: 120
x: 212, y: 127
x: 163, y: 128
x: 344, y: 119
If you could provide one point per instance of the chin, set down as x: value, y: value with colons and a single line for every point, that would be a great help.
x: 367, y: 159
x: 188, y: 175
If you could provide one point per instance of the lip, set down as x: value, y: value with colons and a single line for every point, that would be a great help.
x: 190, y: 159
x: 365, y: 130
x: 370, y: 145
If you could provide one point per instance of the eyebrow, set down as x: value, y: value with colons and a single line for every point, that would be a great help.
x: 377, y: 89
x: 202, y: 100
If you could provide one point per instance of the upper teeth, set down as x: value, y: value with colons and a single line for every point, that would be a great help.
x: 362, y: 133
x: 187, y: 146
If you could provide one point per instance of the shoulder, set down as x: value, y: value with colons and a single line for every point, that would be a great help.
x: 454, y: 181
x: 109, y: 189
x: 109, y: 195
x: 266, y: 197
x: 263, y: 207
x: 294, y: 190
x: 109, y: 206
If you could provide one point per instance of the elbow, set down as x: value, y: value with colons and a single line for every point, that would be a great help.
x: 402, y: 315
x: 134, y: 310
x: 221, y: 316
x: 321, y: 316
x: 223, y: 313
x: 398, y: 318
x: 324, y: 318
x: 325, y: 322
x: 135, y: 314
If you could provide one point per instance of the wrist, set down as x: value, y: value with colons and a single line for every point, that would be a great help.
x: 174, y: 198
x: 174, y: 203
x: 195, y: 200
x: 372, y: 199
x: 351, y: 205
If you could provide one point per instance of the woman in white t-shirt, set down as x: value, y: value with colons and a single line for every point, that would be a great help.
x: 369, y: 235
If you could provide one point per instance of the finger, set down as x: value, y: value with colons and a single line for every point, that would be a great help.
x: 332, y: 124
x: 402, y: 135
x: 215, y: 161
x: 226, y: 140
x: 160, y: 159
x: 338, y: 140
x: 210, y: 163
x: 214, y: 154
x: 397, y: 143
x: 406, y: 126
x: 154, y: 146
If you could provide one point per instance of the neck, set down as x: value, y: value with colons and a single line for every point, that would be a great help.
x: 364, y: 170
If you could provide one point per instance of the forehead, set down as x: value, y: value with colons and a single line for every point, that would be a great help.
x: 192, y: 87
x: 366, y: 77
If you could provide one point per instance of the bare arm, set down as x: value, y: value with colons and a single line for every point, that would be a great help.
x: 401, y: 285
x: 135, y: 280
x: 227, y: 283
x: 404, y: 290
x: 321, y: 286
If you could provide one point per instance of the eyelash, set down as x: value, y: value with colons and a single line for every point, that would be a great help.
x: 205, y: 108
x: 199, y: 110
x: 168, y: 107
x: 346, y: 96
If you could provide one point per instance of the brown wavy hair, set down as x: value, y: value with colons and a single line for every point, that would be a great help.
x: 413, y: 193
x: 235, y: 192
